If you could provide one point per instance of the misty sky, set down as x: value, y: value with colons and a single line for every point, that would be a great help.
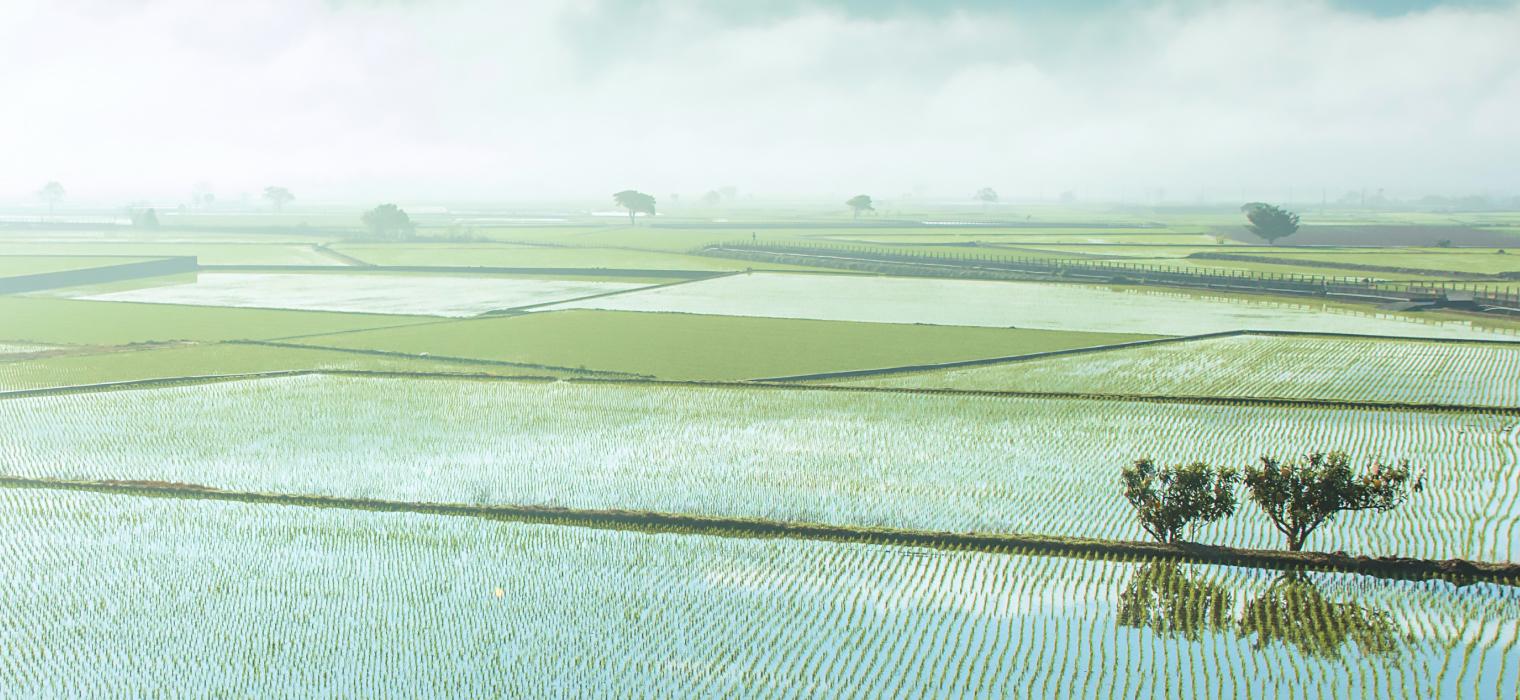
x: 514, y: 101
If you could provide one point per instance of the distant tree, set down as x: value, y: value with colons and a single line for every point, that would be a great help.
x: 986, y: 195
x: 388, y: 221
x: 1169, y: 500
x: 1300, y: 495
x: 729, y: 192
x: 145, y: 218
x: 1270, y: 222
x: 859, y: 203
x: 52, y: 193
x: 202, y: 196
x: 278, y: 197
x: 712, y: 198
x: 635, y: 202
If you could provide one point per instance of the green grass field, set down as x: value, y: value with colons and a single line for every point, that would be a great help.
x: 1456, y: 260
x: 20, y: 265
x: 68, y: 321
x: 132, y: 364
x: 687, y: 346
x: 207, y: 252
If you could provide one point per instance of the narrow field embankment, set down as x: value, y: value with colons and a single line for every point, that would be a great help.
x: 162, y: 382
x: 1455, y: 570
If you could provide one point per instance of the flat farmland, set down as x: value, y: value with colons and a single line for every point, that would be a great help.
x: 102, y: 365
x: 207, y: 252
x: 269, y: 601
x: 952, y: 463
x: 1295, y: 367
x: 45, y: 320
x: 12, y: 265
x: 431, y: 295
x: 688, y: 346
x: 503, y: 255
x: 1048, y: 306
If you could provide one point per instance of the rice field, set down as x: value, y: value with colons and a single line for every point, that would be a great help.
x: 1048, y: 306
x: 689, y: 346
x: 952, y: 463
x: 1296, y: 367
x: 110, y: 595
x: 429, y: 295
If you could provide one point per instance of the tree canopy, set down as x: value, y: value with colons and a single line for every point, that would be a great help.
x: 1169, y: 500
x: 986, y: 195
x: 145, y: 218
x: 1270, y: 222
x: 635, y: 202
x: 1300, y: 495
x: 388, y: 221
x: 859, y: 203
x: 278, y: 196
x: 51, y: 193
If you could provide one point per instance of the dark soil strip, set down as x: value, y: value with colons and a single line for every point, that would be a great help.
x: 1455, y: 570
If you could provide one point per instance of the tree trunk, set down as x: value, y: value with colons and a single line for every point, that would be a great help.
x: 630, y: 218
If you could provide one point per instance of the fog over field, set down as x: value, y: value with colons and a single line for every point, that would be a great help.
x: 560, y: 98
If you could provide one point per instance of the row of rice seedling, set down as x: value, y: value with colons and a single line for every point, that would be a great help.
x: 1298, y: 367
x: 956, y: 463
x: 110, y: 595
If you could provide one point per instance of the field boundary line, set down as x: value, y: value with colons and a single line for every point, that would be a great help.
x: 648, y: 288
x: 1456, y: 570
x: 346, y: 259
x: 441, y: 358
x: 773, y: 386
x: 902, y: 369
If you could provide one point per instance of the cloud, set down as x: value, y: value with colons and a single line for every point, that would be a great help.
x: 512, y: 101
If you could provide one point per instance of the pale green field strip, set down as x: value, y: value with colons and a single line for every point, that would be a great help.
x: 224, y: 359
x: 685, y: 346
x: 1037, y: 305
x: 113, y: 595
x: 208, y: 252
x: 42, y: 320
x: 1291, y: 367
x: 12, y: 265
x: 1481, y: 261
x: 23, y: 348
x: 925, y: 462
x: 457, y: 296
x: 501, y: 255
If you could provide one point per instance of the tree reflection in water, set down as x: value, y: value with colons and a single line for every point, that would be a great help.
x: 1167, y: 600
x: 1292, y: 610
